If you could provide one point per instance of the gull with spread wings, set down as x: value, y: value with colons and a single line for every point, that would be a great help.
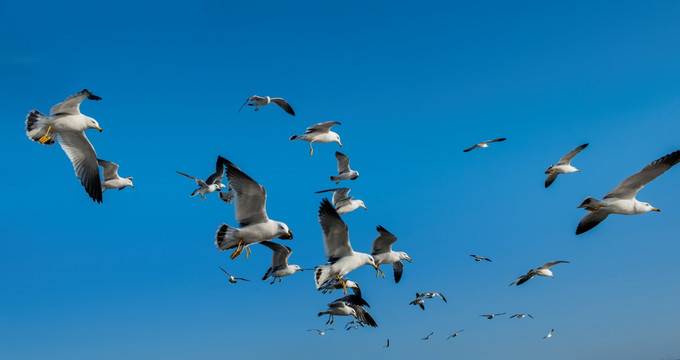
x: 563, y: 166
x: 320, y: 133
x: 280, y: 267
x: 383, y: 254
x: 111, y: 178
x: 258, y: 101
x: 344, y: 172
x: 543, y: 270
x: 343, y: 202
x: 212, y: 183
x: 484, y: 144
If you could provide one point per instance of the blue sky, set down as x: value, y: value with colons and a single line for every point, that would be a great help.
x: 413, y: 84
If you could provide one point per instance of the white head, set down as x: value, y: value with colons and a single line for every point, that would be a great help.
x: 283, y: 232
x: 404, y: 256
x: 361, y: 204
x: 336, y: 138
x: 92, y: 124
x: 369, y: 260
x: 645, y: 207
x: 128, y: 182
x: 297, y: 268
x: 353, y: 312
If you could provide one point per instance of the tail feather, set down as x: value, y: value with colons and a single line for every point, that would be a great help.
x: 225, y: 233
x: 321, y: 275
x: 590, y: 203
x: 36, y: 127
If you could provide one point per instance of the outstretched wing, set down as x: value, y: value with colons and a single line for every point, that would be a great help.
x: 281, y: 254
x: 629, y: 187
x: 398, y: 267
x: 343, y: 162
x: 566, y: 159
x: 550, y: 179
x: 471, y: 148
x: 383, y: 243
x: 110, y: 169
x: 335, y: 232
x: 548, y: 265
x: 283, y: 104
x: 84, y: 160
x: 322, y: 127
x: 71, y: 106
x: 493, y: 141
x: 216, y: 177
x: 591, y: 220
x: 251, y: 198
x: 199, y: 182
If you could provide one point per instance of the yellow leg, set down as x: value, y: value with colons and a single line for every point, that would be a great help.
x: 311, y: 149
x: 238, y: 250
x: 247, y: 251
x: 45, y: 138
x: 344, y: 286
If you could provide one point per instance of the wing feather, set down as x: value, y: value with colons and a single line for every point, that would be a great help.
x: 629, y: 187
x: 84, y: 160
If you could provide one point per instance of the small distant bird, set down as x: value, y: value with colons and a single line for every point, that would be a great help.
x: 227, y: 196
x: 353, y: 328
x: 388, y: 344
x: 280, y: 267
x: 549, y: 334
x: 563, y: 166
x: 68, y: 125
x: 342, y: 201
x: 322, y: 333
x: 111, y: 178
x: 383, y: 254
x: 491, y: 316
x: 334, y: 284
x: 232, y: 279
x: 543, y: 270
x: 258, y: 101
x: 212, y: 183
x: 521, y: 316
x: 349, y: 305
x: 621, y: 200
x: 484, y: 144
x: 320, y: 133
x: 420, y: 298
x: 480, y: 258
x: 428, y: 336
x: 454, y: 334
x: 344, y: 172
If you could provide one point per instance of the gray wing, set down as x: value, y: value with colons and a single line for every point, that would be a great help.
x: 493, y: 141
x: 629, y: 187
x: 335, y: 232
x: 591, y: 220
x: 383, y: 243
x: 566, y: 159
x: 251, y: 198
x: 526, y: 277
x: 339, y: 195
x: 110, y: 169
x: 322, y: 127
x: 550, y: 179
x: 281, y: 254
x: 216, y: 177
x: 353, y: 300
x: 283, y: 104
x: 548, y: 265
x: 343, y: 162
x: 254, y: 97
x: 84, y: 160
x: 398, y: 267
x: 364, y: 316
x: 71, y: 106
x: 224, y: 271
x: 199, y: 182
x: 471, y: 148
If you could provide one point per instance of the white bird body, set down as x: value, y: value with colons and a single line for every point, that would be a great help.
x: 252, y: 234
x: 280, y: 267
x: 111, y: 178
x: 343, y: 202
x: 258, y: 101
x: 319, y: 133
x: 344, y: 172
x: 382, y: 253
x: 563, y: 166
x: 561, y: 169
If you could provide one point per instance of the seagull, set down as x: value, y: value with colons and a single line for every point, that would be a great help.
x: 251, y: 215
x: 227, y: 196
x: 483, y: 144
x: 491, y: 316
x: 388, y: 344
x: 334, y: 284
x: 621, y: 200
x: 352, y: 328
x: 543, y: 270
x: 232, y: 279
x: 342, y: 201
x: 341, y: 258
x: 111, y: 178
x: 280, y: 267
x: 258, y: 101
x: 382, y: 253
x: 428, y: 336
x: 563, y: 166
x: 212, y: 183
x: 480, y: 258
x: 359, y: 323
x: 521, y: 316
x: 320, y: 133
x: 322, y: 333
x: 344, y: 172
x: 349, y: 305
x: 68, y: 125
x: 549, y: 334
x: 454, y: 334
x: 420, y: 298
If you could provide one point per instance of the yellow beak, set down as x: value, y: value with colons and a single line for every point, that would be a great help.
x: 98, y: 128
x: 655, y: 209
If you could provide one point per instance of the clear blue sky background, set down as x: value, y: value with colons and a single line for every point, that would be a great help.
x: 413, y: 84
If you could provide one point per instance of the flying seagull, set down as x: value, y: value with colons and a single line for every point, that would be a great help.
x: 349, y: 305
x: 251, y: 215
x: 111, y: 178
x: 232, y: 279
x: 357, y: 322
x: 428, y: 336
x: 68, y: 125
x: 563, y: 166
x: 342, y: 201
x: 549, y: 334
x: 258, y: 101
x: 543, y: 270
x: 322, y: 333
x: 454, y: 334
x: 320, y: 133
x: 383, y: 254
x: 491, y: 316
x: 621, y: 200
x: 484, y: 144
x: 212, y: 183
x: 420, y: 298
x: 341, y: 258
x: 480, y: 258
x: 334, y: 284
x: 521, y: 316
x: 388, y: 344
x: 344, y: 172
x: 227, y: 196
x: 280, y: 267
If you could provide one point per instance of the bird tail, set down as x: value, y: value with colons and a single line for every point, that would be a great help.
x: 36, y: 127
x: 334, y: 178
x: 321, y: 275
x: 321, y: 313
x: 225, y: 235
x: 267, y: 274
x: 293, y: 137
x: 591, y: 203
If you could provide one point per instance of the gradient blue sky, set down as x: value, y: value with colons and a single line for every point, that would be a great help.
x: 413, y: 84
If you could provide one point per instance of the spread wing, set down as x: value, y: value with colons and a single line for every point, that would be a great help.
x: 283, y: 104
x: 216, y: 177
x: 343, y: 162
x: 398, y: 267
x: 252, y: 98
x: 335, y: 232
x: 199, y: 182
x: 383, y: 243
x: 591, y: 220
x: 629, y: 187
x: 110, y: 169
x: 339, y: 195
x: 251, y: 198
x: 493, y: 141
x: 71, y: 106
x: 364, y: 316
x: 84, y: 160
x: 281, y: 254
x: 322, y: 127
x: 548, y: 265
x: 471, y: 148
x: 566, y: 159
x: 550, y: 179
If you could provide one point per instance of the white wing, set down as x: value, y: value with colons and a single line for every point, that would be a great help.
x: 343, y: 162
x: 323, y: 127
x: 110, y: 169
